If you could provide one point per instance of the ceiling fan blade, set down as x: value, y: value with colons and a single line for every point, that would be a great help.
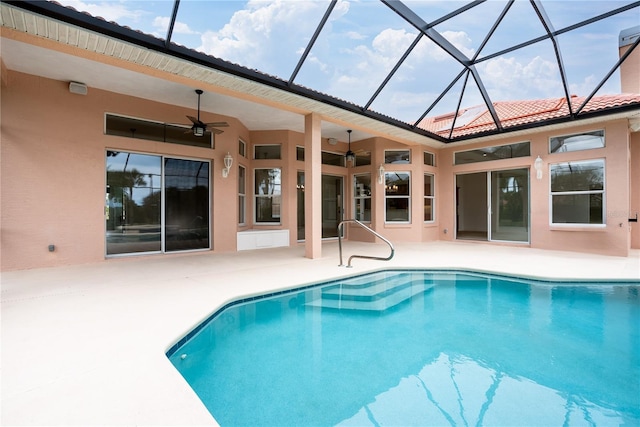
x: 218, y: 124
x: 195, y: 121
x: 215, y: 131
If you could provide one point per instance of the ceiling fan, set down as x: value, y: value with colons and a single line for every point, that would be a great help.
x: 198, y: 127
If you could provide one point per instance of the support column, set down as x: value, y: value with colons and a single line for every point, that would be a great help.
x: 312, y: 187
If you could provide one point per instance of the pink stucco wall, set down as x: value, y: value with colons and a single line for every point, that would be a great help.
x: 634, y: 189
x: 611, y: 239
x: 52, y: 177
x: 53, y: 170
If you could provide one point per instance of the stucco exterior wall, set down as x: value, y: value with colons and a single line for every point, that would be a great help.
x: 610, y: 239
x: 634, y: 188
x: 53, y: 170
x: 52, y: 177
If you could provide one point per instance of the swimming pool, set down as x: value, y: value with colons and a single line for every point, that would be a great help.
x: 415, y: 347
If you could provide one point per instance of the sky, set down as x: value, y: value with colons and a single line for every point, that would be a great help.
x: 363, y: 40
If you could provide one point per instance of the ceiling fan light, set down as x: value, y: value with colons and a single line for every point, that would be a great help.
x: 198, y: 131
x: 350, y: 155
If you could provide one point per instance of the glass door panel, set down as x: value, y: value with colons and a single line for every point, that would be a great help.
x: 186, y: 204
x: 300, y: 198
x: 331, y: 205
x: 471, y: 206
x: 132, y: 209
x: 510, y: 205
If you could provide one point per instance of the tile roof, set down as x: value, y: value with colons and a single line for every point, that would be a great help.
x: 518, y: 113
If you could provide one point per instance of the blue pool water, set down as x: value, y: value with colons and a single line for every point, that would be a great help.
x: 422, y: 348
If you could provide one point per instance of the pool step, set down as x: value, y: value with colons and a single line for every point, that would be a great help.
x: 370, y: 295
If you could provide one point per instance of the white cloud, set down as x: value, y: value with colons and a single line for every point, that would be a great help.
x: 161, y: 23
x: 109, y: 10
x: 257, y: 34
x: 508, y: 79
x: 353, y: 35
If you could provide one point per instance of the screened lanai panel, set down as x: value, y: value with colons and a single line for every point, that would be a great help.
x: 266, y: 36
x: 520, y: 25
x: 529, y: 73
x: 577, y: 46
x: 359, y: 45
x: 419, y: 82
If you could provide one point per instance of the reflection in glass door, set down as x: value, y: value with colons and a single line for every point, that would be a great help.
x: 300, y: 198
x: 186, y: 186
x: 136, y: 187
x: 331, y: 205
x: 133, y: 203
x: 510, y: 205
x: 493, y: 206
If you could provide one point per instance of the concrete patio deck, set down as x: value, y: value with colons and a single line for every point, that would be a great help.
x: 85, y: 345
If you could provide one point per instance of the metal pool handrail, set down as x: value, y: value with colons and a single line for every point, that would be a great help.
x: 340, y: 226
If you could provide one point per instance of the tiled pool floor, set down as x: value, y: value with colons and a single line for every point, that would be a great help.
x: 85, y: 345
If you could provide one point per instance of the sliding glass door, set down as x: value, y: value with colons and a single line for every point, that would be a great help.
x: 493, y: 206
x: 156, y: 204
x: 510, y: 205
x: 332, y: 205
x: 186, y: 186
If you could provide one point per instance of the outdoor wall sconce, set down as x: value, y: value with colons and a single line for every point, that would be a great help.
x: 537, y: 165
x: 228, y: 161
x: 381, y: 174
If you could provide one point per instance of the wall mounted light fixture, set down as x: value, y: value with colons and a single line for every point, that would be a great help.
x: 228, y: 161
x: 381, y: 174
x: 78, y: 88
x: 537, y: 165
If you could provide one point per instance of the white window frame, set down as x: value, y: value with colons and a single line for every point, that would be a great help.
x: 257, y: 196
x: 267, y: 145
x: 360, y: 199
x: 432, y: 198
x: 567, y: 136
x: 578, y: 192
x: 398, y: 150
x: 433, y: 158
x: 407, y: 196
x: 242, y: 148
x: 242, y: 196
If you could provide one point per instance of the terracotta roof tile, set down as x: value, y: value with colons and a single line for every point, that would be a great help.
x: 517, y: 113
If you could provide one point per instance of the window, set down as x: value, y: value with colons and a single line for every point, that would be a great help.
x: 332, y: 159
x: 577, y: 192
x: 300, y: 154
x: 510, y: 151
x: 397, y: 197
x: 266, y: 152
x: 155, y: 131
x: 363, y: 158
x: 242, y: 193
x: 156, y: 203
x: 242, y: 148
x: 397, y: 156
x: 362, y: 197
x: 429, y: 159
x: 577, y: 142
x: 428, y: 198
x: 267, y: 194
